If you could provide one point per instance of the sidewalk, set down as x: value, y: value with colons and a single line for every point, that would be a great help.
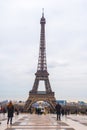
x: 45, y: 122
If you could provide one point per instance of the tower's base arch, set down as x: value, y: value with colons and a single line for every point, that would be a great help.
x: 40, y: 96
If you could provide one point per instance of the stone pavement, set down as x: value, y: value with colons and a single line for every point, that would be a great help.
x: 45, y: 122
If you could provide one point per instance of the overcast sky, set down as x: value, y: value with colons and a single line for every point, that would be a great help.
x: 66, y: 47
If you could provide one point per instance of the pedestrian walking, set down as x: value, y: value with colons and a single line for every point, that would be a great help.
x: 10, y: 112
x: 58, y: 111
x: 16, y: 111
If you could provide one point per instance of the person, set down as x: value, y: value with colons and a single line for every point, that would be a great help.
x: 10, y: 111
x: 58, y: 111
x: 16, y: 111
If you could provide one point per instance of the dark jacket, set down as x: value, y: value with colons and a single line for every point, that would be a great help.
x: 10, y: 110
x: 58, y: 108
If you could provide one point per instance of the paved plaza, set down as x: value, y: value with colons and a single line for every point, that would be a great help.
x: 44, y: 122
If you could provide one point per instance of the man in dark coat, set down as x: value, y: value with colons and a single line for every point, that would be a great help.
x: 10, y: 111
x: 58, y: 111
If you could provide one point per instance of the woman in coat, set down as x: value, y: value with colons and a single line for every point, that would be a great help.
x: 10, y: 111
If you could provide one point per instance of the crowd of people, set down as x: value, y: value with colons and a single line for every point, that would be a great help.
x: 10, y: 109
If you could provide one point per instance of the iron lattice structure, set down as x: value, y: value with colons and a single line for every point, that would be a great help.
x: 41, y: 74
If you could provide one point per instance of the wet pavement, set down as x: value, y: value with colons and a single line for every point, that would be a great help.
x: 44, y: 122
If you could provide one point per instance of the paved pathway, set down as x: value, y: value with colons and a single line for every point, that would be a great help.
x: 45, y: 122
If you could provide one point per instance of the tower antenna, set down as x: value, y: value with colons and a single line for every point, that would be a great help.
x: 42, y: 12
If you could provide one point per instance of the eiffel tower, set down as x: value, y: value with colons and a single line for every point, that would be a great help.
x: 41, y: 74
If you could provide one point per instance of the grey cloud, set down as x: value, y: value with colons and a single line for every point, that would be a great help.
x: 61, y: 63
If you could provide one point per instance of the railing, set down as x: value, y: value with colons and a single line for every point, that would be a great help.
x: 42, y: 92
